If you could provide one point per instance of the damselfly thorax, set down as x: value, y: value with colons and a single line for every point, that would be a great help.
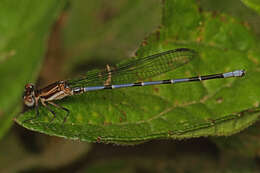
x: 54, y: 91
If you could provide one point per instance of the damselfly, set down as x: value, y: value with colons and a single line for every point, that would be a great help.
x: 128, y: 74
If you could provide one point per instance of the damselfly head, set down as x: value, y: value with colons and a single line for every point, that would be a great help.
x: 29, y: 95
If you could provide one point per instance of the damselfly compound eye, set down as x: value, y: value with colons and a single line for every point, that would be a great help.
x: 28, y: 95
x: 29, y: 86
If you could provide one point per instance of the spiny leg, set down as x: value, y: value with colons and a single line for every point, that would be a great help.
x: 49, y: 109
x: 61, y: 107
x: 36, y: 108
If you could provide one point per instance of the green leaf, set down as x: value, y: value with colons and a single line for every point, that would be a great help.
x: 24, y: 27
x: 254, y: 4
x: 133, y: 115
x: 236, y: 9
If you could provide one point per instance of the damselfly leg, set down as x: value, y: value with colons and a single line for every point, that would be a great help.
x: 63, y: 108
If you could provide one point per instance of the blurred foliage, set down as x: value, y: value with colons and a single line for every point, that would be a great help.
x: 108, y: 32
x: 24, y: 29
x: 50, y: 153
x: 98, y: 33
x: 254, y: 4
x: 182, y: 164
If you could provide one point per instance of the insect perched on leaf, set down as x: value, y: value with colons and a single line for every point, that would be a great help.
x: 131, y: 74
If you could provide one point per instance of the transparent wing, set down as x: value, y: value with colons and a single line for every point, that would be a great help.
x: 136, y: 69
